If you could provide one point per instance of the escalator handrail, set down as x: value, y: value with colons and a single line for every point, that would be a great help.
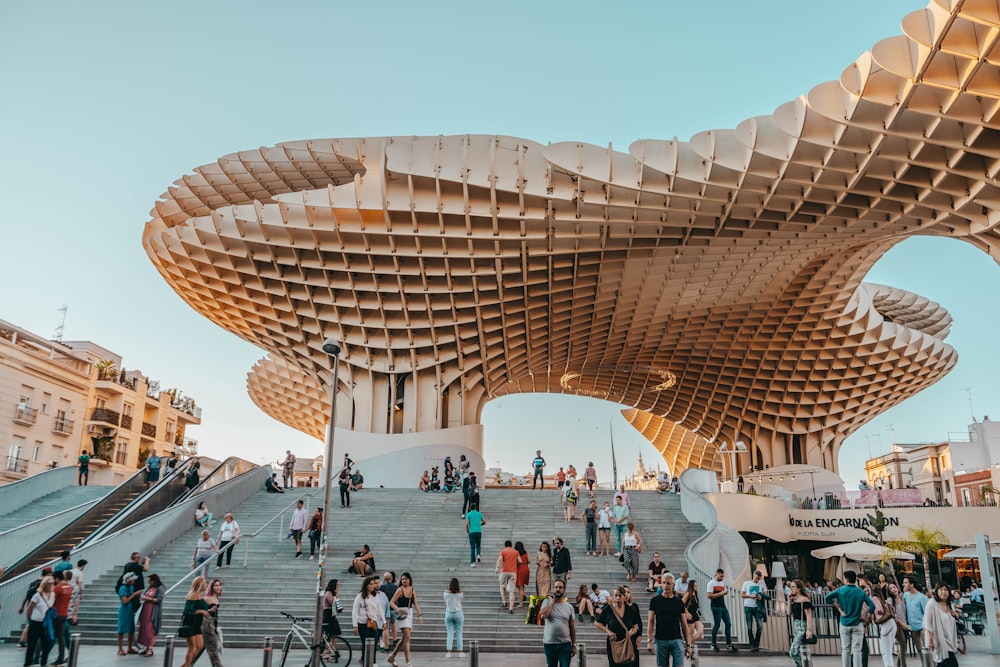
x: 108, y: 499
x: 7, y: 533
x: 114, y: 523
x: 203, y: 484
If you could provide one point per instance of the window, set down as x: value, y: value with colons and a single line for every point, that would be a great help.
x: 127, y: 409
x: 100, y: 403
x: 27, y: 395
x: 121, y: 452
x: 966, y: 498
x: 36, y: 455
x: 46, y: 402
x: 170, y: 432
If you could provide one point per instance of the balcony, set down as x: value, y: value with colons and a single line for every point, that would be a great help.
x: 105, y: 416
x: 149, y: 430
x: 127, y: 422
x: 16, y: 464
x: 25, y: 415
x: 62, y: 426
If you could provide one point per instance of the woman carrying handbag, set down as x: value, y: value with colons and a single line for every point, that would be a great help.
x: 621, y: 624
x: 802, y: 612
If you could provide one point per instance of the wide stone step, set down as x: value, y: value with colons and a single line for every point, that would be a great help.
x: 408, y: 531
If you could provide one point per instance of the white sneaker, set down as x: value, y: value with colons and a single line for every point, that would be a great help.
x: 479, y: 559
x: 618, y: 554
x: 472, y: 564
x: 461, y: 655
x: 447, y: 655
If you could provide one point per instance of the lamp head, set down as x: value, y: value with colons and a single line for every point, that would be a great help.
x: 331, y: 347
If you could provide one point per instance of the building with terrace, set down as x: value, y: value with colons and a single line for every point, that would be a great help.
x: 61, y: 398
x: 713, y: 287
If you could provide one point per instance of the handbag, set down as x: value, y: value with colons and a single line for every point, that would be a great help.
x: 186, y: 628
x: 622, y: 650
x: 371, y: 624
x: 402, y: 612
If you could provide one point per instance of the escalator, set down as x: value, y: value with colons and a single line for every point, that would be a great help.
x: 117, y: 510
x: 172, y: 491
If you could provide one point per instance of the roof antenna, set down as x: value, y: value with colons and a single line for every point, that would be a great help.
x: 58, y: 335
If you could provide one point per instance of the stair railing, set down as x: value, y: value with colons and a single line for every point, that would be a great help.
x: 146, y: 536
x: 246, y: 538
x: 25, y: 491
x: 20, y: 541
x: 288, y: 509
x: 717, y: 547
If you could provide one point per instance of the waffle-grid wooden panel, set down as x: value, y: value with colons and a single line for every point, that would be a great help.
x: 713, y: 285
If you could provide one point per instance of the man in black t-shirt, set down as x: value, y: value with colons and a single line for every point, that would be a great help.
x: 656, y: 570
x: 668, y: 620
x: 138, y: 565
x: 716, y: 590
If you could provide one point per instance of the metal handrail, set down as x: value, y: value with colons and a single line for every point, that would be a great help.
x: 246, y: 547
x: 114, y: 524
x: 23, y: 564
x: 6, y: 533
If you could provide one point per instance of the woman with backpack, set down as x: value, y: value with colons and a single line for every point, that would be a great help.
x: 38, y: 607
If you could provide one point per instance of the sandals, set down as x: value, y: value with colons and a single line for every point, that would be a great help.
x: 132, y: 651
x: 121, y: 652
x: 148, y: 653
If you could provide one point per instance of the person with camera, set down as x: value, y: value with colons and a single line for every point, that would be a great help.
x: 559, y: 636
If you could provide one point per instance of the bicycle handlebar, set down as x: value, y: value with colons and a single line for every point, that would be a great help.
x: 295, y: 619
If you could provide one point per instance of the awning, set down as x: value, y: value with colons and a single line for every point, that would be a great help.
x: 972, y: 552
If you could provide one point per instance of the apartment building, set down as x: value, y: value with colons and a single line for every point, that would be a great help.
x: 59, y: 399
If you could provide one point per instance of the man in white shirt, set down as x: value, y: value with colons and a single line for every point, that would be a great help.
x: 752, y: 594
x: 681, y: 585
x: 77, y: 583
x: 300, y: 519
x: 599, y: 597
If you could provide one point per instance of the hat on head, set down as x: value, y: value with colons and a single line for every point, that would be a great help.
x: 46, y: 570
x: 129, y: 578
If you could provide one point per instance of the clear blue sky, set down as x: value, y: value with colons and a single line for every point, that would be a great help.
x: 105, y: 104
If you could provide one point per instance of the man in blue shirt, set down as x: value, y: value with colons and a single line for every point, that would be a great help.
x: 850, y: 599
x: 916, y: 602
x: 539, y: 465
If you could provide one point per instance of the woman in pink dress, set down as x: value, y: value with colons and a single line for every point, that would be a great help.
x: 149, y: 616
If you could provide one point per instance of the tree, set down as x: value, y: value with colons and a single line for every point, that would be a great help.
x: 877, y: 523
x: 921, y: 540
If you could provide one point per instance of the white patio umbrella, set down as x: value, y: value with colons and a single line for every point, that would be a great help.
x: 866, y: 551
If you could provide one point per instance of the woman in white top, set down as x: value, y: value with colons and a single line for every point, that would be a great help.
x: 202, y: 516
x: 885, y: 621
x: 453, y: 616
x: 203, y: 550
x: 39, y: 605
x: 366, y: 614
x: 631, y: 548
x: 940, y: 631
x: 604, y: 530
x: 229, y: 531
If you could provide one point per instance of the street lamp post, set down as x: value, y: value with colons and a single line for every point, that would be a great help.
x: 332, y: 348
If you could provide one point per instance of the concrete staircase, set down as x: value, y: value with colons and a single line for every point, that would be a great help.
x: 50, y: 504
x: 408, y: 530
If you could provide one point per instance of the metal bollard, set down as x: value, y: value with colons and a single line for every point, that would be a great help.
x: 581, y: 653
x: 168, y: 651
x: 926, y: 658
x: 807, y: 656
x: 695, y: 659
x: 268, y: 651
x: 369, y: 652
x: 74, y: 648
x: 474, y: 653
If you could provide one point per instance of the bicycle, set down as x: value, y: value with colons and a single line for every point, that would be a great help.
x: 333, y: 647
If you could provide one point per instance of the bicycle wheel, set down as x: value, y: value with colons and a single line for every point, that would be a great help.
x: 284, y: 649
x: 338, y: 650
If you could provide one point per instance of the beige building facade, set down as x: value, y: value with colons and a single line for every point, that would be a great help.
x: 59, y: 399
x: 714, y: 287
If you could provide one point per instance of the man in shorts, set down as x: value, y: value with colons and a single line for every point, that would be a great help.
x: 506, y: 569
